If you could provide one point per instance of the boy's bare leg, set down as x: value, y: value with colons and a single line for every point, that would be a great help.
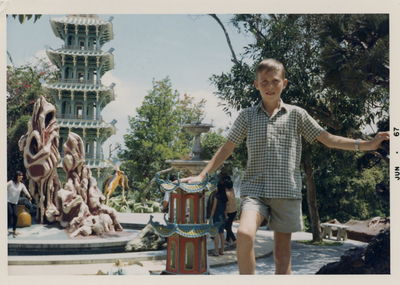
x: 249, y: 223
x: 282, y: 253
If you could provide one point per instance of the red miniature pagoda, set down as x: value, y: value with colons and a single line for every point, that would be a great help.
x: 186, y: 229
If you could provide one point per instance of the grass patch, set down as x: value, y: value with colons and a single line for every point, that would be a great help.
x: 320, y: 243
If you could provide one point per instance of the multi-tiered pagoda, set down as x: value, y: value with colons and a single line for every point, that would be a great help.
x: 79, y: 94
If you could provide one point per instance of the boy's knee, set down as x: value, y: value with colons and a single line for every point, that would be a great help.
x: 245, y: 233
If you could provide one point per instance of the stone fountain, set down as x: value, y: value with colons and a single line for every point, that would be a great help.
x: 195, y: 164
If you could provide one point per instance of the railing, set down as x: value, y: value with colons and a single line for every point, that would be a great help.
x: 80, y: 81
x: 79, y: 117
x: 74, y: 47
x: 92, y: 160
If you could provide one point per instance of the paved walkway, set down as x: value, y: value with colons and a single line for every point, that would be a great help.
x: 305, y: 257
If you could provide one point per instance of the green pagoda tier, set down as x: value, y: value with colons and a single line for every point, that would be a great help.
x: 79, y: 94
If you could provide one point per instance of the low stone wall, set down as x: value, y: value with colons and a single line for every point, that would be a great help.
x: 363, y: 231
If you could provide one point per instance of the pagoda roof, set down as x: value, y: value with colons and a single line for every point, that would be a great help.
x: 79, y: 87
x: 85, y: 124
x: 107, y: 57
x: 185, y: 230
x: 82, y: 19
x: 81, y: 52
x: 57, y: 24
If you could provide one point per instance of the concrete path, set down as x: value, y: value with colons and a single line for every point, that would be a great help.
x: 305, y: 257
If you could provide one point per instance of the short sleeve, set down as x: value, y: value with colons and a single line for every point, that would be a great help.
x: 309, y: 128
x: 239, y: 129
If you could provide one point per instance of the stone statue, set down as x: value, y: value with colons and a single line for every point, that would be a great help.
x: 82, y: 194
x: 79, y: 204
x: 41, y: 156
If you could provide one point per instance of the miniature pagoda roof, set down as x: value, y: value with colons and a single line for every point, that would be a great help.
x: 57, y: 24
x: 185, y: 230
x: 169, y: 186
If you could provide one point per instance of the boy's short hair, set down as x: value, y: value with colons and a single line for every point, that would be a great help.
x: 270, y: 64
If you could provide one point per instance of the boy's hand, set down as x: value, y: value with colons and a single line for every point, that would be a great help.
x: 192, y: 179
x: 378, y: 139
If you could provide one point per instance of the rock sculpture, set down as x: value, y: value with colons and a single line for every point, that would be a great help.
x: 147, y: 239
x: 81, y: 195
x: 41, y: 156
x: 373, y: 259
x: 79, y: 204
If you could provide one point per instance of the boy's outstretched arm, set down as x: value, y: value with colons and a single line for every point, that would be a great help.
x: 339, y: 142
x: 219, y: 157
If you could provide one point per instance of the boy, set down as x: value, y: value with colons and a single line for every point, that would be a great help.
x: 271, y: 186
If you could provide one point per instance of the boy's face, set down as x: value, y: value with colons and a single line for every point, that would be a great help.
x: 270, y: 84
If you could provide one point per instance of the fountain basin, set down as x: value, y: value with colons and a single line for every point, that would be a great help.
x: 197, y: 128
x: 193, y: 166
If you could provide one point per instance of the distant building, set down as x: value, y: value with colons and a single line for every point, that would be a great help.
x: 79, y: 94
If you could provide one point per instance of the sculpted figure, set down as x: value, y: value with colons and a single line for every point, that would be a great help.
x: 79, y: 205
x: 118, y: 179
x: 41, y: 156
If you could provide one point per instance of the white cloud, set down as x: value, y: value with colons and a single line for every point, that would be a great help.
x: 214, y: 113
x: 128, y: 98
x: 40, y: 55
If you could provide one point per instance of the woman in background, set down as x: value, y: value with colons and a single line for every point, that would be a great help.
x: 218, y: 215
x: 14, y: 188
x: 231, y: 210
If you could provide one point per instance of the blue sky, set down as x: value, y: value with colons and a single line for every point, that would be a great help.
x: 187, y: 48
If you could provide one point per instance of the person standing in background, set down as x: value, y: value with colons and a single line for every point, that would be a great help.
x: 231, y: 210
x: 218, y: 216
x: 14, y: 188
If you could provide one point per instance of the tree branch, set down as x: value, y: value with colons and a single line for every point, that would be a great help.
x: 234, y: 58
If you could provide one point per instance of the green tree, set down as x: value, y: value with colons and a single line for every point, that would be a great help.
x: 22, y: 18
x: 156, y: 134
x: 212, y: 141
x: 23, y: 89
x: 303, y: 44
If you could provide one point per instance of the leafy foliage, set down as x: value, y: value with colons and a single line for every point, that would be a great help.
x: 337, y: 67
x: 156, y: 135
x: 23, y: 89
x: 134, y: 204
x: 22, y: 18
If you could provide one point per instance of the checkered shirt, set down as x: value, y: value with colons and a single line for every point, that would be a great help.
x: 274, y: 149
